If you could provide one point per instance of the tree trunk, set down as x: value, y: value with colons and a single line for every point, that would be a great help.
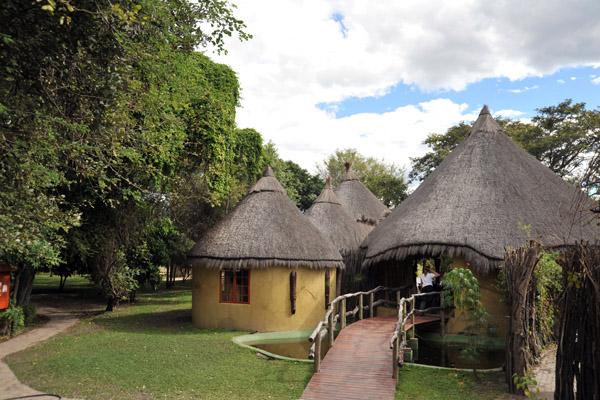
x: 519, y: 265
x: 26, y: 275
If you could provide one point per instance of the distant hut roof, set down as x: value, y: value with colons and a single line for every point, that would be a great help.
x: 359, y: 202
x: 265, y: 229
x: 329, y: 217
x: 474, y: 201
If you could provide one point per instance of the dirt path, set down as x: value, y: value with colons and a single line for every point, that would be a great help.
x: 11, y: 387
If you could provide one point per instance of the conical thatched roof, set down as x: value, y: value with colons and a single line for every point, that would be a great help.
x: 265, y: 229
x: 329, y: 217
x: 474, y: 201
x: 358, y: 201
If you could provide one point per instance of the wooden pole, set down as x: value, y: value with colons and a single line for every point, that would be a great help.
x: 413, y: 316
x: 398, y: 297
x: 331, y: 330
x: 395, y: 359
x: 360, y: 306
x: 343, y: 314
x: 371, y: 311
x: 442, y: 315
x: 318, y: 352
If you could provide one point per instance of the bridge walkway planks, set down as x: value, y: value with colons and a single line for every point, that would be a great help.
x: 359, y: 365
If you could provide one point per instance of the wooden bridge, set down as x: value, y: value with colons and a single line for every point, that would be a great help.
x: 362, y: 363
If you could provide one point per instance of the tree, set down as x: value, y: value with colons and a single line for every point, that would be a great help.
x: 563, y: 137
x: 101, y: 105
x: 386, y: 181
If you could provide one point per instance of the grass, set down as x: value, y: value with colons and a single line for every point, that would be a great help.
x: 151, y: 350
x: 418, y: 383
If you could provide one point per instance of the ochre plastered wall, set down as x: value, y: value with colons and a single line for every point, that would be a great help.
x: 270, y: 307
x: 490, y: 296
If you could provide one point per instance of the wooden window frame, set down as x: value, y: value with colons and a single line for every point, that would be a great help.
x: 222, y: 275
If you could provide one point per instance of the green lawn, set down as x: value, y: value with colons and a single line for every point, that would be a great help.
x: 151, y: 350
x: 418, y: 383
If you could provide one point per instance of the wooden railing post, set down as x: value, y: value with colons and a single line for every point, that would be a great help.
x: 318, y: 352
x: 413, y: 315
x: 343, y: 314
x: 395, y: 359
x: 442, y: 315
x: 398, y: 297
x: 331, y: 330
x: 371, y: 311
x: 360, y: 306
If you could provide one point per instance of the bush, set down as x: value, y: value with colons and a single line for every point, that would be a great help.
x: 29, y: 312
x: 12, y: 320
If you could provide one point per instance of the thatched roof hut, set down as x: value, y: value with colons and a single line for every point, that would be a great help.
x: 331, y: 219
x: 265, y: 229
x: 362, y: 205
x: 473, y: 204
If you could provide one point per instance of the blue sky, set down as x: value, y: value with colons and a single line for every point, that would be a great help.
x: 321, y: 75
x: 524, y: 95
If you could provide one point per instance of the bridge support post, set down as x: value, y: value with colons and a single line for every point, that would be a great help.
x: 413, y: 315
x: 398, y: 297
x: 331, y: 329
x: 318, y: 353
x: 414, y: 345
x: 371, y: 311
x: 360, y: 306
x: 343, y: 314
x: 395, y: 359
x: 442, y: 315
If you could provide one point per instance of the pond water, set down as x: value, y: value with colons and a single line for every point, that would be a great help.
x: 293, y: 350
x: 450, y: 357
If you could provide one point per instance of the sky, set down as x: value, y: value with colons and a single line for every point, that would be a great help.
x: 379, y: 76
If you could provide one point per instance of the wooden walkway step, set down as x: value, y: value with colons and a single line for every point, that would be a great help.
x: 359, y: 365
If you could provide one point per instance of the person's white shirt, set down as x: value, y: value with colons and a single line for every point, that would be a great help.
x: 427, y: 278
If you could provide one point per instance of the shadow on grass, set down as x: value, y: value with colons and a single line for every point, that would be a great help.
x: 159, y: 322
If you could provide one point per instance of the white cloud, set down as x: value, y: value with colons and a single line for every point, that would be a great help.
x: 301, y: 56
x: 596, y: 81
x: 508, y: 113
x: 560, y: 81
x: 573, y: 78
x: 525, y: 89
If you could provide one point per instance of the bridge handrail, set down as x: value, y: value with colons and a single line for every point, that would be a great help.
x: 327, y: 325
x: 398, y: 341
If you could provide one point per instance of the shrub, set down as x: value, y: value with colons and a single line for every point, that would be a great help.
x: 12, y: 320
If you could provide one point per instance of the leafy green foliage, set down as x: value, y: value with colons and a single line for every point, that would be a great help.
x: 562, y: 137
x: 461, y: 289
x: 386, y: 181
x: 12, y: 319
x: 547, y: 278
x: 105, y: 112
x: 526, y: 384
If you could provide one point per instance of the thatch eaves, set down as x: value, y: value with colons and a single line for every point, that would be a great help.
x: 265, y: 229
x: 362, y: 205
x: 475, y: 201
x: 329, y: 217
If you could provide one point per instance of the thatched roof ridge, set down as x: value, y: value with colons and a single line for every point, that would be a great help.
x: 475, y: 200
x: 329, y: 217
x: 359, y: 202
x: 327, y: 195
x: 265, y: 229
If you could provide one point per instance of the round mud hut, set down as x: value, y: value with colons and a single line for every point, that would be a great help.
x: 264, y: 267
x: 475, y: 204
x: 331, y: 219
x: 362, y: 205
